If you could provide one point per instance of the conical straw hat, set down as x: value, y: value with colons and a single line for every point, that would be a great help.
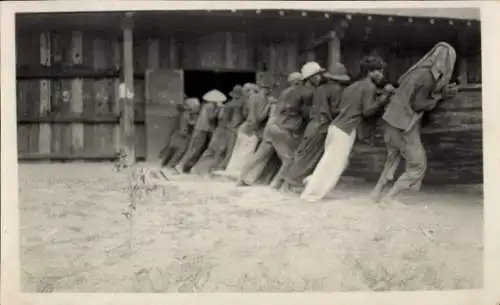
x: 214, y: 96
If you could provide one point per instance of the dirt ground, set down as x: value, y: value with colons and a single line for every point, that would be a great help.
x: 201, y: 235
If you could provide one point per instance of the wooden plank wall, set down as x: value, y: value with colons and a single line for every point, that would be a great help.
x: 62, y: 103
x: 70, y: 99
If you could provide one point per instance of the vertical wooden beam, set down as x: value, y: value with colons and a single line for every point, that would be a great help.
x: 292, y: 55
x: 57, y: 103
x: 228, y: 50
x: 77, y: 138
x: 44, y: 136
x: 272, y: 57
x: 117, y: 59
x: 333, y: 50
x: 463, y: 71
x: 153, y: 53
x: 173, y: 54
x: 310, y: 55
x: 462, y: 60
x: 102, y: 134
x: 127, y: 94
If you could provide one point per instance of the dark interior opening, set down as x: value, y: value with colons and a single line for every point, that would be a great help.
x: 199, y: 82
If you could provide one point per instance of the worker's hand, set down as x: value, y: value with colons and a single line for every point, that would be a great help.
x: 272, y: 99
x: 389, y: 88
x: 450, y: 91
x: 431, y: 105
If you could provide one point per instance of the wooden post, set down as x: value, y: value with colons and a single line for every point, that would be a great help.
x: 76, y: 106
x: 153, y: 53
x: 117, y: 63
x: 462, y: 61
x: 173, y: 53
x: 44, y: 136
x: 228, y: 50
x: 102, y: 134
x: 272, y: 62
x: 333, y: 51
x: 127, y: 92
x: 310, y: 56
x: 463, y: 73
x: 292, y: 55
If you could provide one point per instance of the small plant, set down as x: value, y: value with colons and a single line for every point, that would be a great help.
x: 141, y: 182
x: 121, y: 163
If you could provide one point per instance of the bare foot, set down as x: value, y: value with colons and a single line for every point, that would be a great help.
x: 241, y: 183
x: 179, y: 170
x: 375, y: 197
x: 275, y: 185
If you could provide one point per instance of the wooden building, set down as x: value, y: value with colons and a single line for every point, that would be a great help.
x: 70, y: 66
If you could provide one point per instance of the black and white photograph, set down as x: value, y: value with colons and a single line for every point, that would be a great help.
x: 236, y: 150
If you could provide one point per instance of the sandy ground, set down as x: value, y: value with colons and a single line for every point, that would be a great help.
x: 202, y: 235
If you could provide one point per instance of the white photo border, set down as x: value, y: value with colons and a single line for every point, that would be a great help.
x: 10, y: 267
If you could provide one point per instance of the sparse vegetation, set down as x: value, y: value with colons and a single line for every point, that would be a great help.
x: 194, y: 235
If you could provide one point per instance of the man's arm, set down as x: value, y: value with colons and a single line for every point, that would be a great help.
x: 420, y: 99
x: 371, y: 102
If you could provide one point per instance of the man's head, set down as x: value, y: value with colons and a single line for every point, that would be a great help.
x: 193, y: 104
x: 373, y: 67
x: 249, y: 89
x: 440, y: 60
x: 294, y: 78
x: 311, y: 72
x: 266, y: 84
x: 237, y: 92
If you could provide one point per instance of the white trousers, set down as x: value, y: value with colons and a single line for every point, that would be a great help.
x: 338, y: 146
x: 243, y: 150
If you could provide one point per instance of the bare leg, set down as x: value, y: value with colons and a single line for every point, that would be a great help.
x: 194, y: 150
x: 179, y: 153
x: 391, y: 164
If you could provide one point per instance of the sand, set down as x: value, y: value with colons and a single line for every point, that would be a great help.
x: 199, y: 235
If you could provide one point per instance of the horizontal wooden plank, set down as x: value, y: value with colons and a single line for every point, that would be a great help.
x: 70, y: 119
x: 75, y: 71
x: 457, y: 129
x: 67, y: 156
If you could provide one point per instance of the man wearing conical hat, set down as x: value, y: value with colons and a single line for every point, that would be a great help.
x: 420, y: 89
x: 360, y: 100
x: 215, y: 153
x: 256, y: 165
x: 182, y: 136
x: 324, y: 109
x: 203, y: 129
x: 292, y: 117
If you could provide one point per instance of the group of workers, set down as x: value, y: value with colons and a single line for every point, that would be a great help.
x: 312, y: 126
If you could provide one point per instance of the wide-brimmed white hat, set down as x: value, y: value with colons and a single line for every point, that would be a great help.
x: 193, y: 103
x: 215, y: 96
x: 338, y: 73
x: 309, y: 69
x: 294, y: 76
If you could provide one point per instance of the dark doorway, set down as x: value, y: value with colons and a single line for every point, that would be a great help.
x: 199, y: 82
